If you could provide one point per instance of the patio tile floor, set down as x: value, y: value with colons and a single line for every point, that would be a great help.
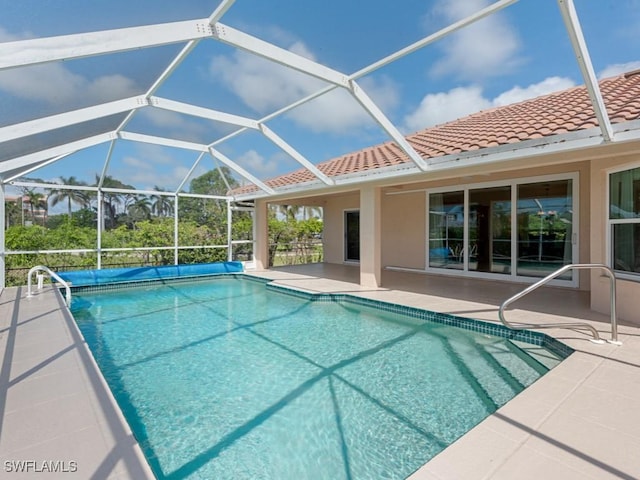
x: 581, y: 420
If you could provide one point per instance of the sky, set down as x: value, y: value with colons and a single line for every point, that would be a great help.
x: 519, y: 53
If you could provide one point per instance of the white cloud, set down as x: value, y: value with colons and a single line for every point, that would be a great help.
x: 54, y: 84
x: 177, y: 126
x: 261, y: 84
x: 144, y: 173
x: 518, y: 94
x: 485, y: 48
x: 256, y: 164
x: 446, y: 106
x: 266, y: 86
x: 618, y: 68
x: 441, y: 107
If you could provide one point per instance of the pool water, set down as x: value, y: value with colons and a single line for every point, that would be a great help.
x: 226, y: 379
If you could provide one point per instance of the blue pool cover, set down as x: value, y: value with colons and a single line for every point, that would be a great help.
x: 118, y: 275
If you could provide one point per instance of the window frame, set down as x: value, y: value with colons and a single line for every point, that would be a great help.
x: 621, y: 274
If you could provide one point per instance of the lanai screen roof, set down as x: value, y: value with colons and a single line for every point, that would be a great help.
x: 272, y: 87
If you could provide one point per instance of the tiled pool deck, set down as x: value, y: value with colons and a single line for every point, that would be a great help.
x: 580, y: 421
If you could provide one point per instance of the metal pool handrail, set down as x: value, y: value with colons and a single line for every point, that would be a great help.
x: 53, y: 274
x: 547, y: 279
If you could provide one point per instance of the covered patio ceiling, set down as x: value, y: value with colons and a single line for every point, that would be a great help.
x: 31, y: 140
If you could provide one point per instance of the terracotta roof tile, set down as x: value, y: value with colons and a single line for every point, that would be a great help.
x: 561, y: 112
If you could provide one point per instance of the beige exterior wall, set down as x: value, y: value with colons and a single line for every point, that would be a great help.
x: 628, y: 292
x: 333, y: 235
x: 403, y: 219
x: 403, y: 212
x: 404, y: 215
x: 404, y: 230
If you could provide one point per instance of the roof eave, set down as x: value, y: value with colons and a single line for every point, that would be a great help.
x: 578, y: 140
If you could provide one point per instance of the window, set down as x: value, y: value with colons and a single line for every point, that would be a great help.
x: 624, y: 220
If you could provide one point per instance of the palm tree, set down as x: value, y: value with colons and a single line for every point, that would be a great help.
x: 111, y: 200
x: 35, y: 200
x: 161, y: 206
x: 79, y: 197
x: 11, y: 213
x: 289, y: 212
x: 139, y: 209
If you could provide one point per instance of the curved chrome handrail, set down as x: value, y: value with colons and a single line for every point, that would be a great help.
x: 51, y: 274
x: 584, y: 325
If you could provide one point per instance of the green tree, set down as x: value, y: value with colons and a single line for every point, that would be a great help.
x: 208, y: 212
x: 11, y: 213
x: 161, y: 205
x: 111, y: 200
x: 138, y: 209
x: 36, y: 200
x: 79, y: 197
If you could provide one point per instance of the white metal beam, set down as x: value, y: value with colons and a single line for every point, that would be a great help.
x: 67, y: 47
x: 35, y: 167
x: 581, y: 52
x: 385, y: 61
x: 246, y: 42
x: 271, y: 135
x: 175, y: 63
x: 44, y: 155
x: 107, y: 161
x: 387, y: 126
x: 167, y: 142
x: 241, y: 171
x: 493, y: 8
x: 189, y: 173
x: 220, y: 10
x: 52, y: 122
x: 162, y: 78
x: 201, y: 112
x: 222, y: 175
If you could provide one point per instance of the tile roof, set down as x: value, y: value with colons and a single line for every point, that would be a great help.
x: 561, y: 112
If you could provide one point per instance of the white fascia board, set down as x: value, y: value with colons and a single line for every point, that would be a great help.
x: 386, y: 125
x: 43, y: 155
x: 202, y: 112
x: 240, y: 171
x: 275, y: 138
x: 67, y: 47
x: 246, y: 42
x: 167, y: 142
x: 581, y: 53
x: 52, y: 122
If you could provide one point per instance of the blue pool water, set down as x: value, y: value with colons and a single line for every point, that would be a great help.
x: 227, y: 379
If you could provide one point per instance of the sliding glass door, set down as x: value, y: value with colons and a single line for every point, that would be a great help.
x: 490, y: 230
x: 518, y: 229
x: 545, y: 227
x: 446, y: 230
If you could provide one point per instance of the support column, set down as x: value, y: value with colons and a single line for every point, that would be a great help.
x: 370, y: 237
x: 261, y: 234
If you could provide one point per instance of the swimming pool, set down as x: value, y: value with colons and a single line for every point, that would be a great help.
x: 230, y: 378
